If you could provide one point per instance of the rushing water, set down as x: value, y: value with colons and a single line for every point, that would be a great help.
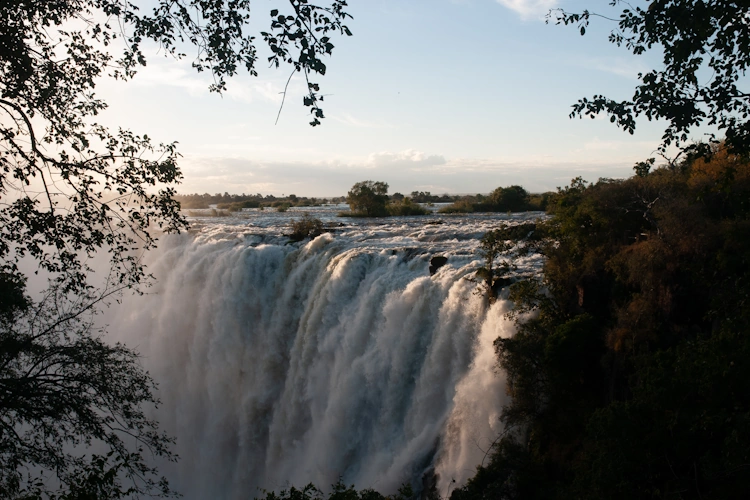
x: 287, y: 363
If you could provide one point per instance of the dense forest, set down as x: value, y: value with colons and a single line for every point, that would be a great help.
x: 628, y: 372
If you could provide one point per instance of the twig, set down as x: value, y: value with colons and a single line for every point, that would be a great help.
x: 284, y: 98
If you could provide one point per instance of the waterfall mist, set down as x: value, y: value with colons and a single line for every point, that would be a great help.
x: 284, y: 364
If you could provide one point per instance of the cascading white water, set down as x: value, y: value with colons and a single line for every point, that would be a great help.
x: 283, y: 364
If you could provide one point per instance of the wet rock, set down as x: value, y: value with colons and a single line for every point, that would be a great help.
x: 436, y: 263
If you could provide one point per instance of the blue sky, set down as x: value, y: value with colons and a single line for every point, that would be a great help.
x: 447, y: 96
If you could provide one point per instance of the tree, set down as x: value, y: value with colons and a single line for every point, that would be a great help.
x: 62, y: 388
x: 491, y: 246
x: 70, y: 189
x: 706, y: 48
x: 511, y: 198
x: 368, y: 198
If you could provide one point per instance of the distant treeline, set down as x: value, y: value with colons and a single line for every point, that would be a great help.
x: 427, y: 197
x: 502, y: 199
x: 236, y: 202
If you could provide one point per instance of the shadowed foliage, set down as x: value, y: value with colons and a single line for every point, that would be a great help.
x: 629, y: 379
x: 72, y: 189
x: 705, y: 49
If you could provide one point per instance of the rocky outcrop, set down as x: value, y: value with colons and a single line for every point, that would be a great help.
x: 436, y: 263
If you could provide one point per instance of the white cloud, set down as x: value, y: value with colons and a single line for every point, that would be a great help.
x: 179, y: 74
x: 249, y: 92
x: 597, y: 144
x: 529, y: 9
x: 348, y: 119
x: 410, y: 159
x: 404, y: 171
x: 161, y: 74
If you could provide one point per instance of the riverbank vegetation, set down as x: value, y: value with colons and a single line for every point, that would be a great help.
x: 628, y: 372
x: 503, y: 199
x: 238, y: 202
x: 372, y: 200
x: 630, y: 380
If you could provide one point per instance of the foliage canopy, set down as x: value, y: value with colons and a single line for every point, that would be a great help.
x: 71, y: 189
x: 368, y: 198
x: 706, y: 53
x: 628, y: 379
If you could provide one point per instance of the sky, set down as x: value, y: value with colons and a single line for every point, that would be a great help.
x: 446, y: 96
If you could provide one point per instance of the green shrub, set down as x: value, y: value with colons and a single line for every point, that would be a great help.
x: 459, y: 207
x: 406, y: 207
x: 212, y: 213
x: 237, y: 206
x: 306, y: 227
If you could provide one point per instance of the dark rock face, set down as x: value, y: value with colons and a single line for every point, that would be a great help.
x: 501, y: 283
x: 429, y: 485
x: 436, y: 263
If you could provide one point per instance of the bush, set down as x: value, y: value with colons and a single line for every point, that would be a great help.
x: 306, y: 227
x: 406, y: 207
x: 239, y: 205
x: 459, y: 207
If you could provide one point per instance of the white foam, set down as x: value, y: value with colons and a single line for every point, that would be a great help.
x: 285, y: 364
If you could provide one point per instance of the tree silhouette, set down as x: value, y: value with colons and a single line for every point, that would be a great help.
x: 706, y: 52
x: 70, y: 189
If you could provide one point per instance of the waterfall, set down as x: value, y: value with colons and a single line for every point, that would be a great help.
x: 283, y: 364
